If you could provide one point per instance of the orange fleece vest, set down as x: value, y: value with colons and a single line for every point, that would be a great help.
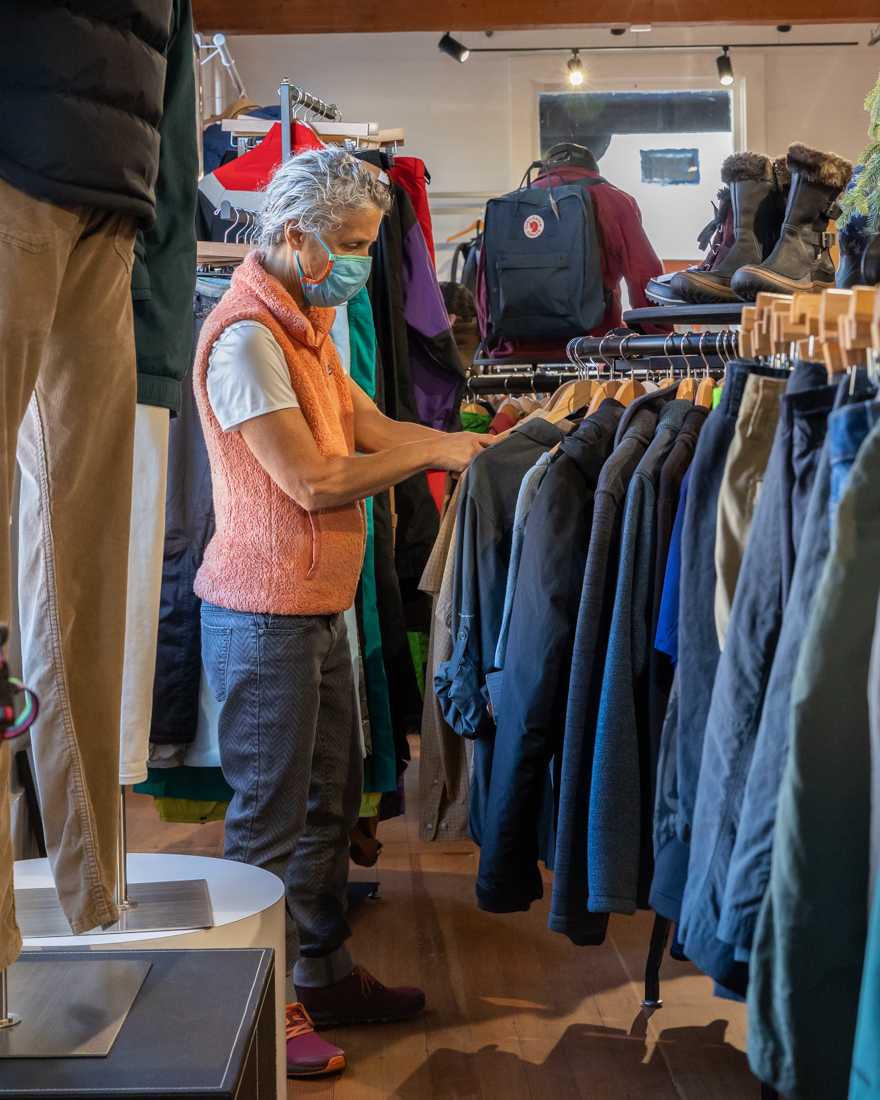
x: 268, y: 554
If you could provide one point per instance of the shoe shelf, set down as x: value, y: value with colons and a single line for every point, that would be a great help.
x: 724, y: 314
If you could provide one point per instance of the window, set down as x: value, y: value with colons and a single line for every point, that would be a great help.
x: 670, y: 166
x: 594, y: 118
x: 665, y: 148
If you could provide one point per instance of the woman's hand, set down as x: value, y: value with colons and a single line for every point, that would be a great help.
x: 456, y: 450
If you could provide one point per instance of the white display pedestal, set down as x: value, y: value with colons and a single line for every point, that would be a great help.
x: 249, y: 911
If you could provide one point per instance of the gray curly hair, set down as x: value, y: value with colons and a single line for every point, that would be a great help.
x: 315, y: 189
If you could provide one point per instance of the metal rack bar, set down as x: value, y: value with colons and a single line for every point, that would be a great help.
x: 7, y: 1019
x: 546, y: 381
x: 292, y: 96
x: 659, y: 940
x: 633, y: 346
x: 520, y: 382
x: 284, y: 91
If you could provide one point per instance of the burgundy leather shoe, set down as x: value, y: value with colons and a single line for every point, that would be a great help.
x: 360, y: 999
x: 308, y: 1055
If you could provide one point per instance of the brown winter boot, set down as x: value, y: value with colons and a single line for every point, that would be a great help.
x: 801, y: 259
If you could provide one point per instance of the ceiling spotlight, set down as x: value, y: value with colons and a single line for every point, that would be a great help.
x: 618, y: 31
x: 725, y: 67
x: 784, y: 28
x: 575, y: 70
x: 453, y: 48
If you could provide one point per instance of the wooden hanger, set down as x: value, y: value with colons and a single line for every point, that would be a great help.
x: 854, y: 327
x: 571, y: 396
x: 242, y: 104
x: 687, y: 389
x: 603, y: 391
x: 629, y: 391
x: 366, y: 134
x: 804, y: 324
x: 747, y: 332
x: 834, y: 305
x: 706, y: 387
x: 803, y: 317
x: 221, y: 253
x: 474, y: 227
x: 762, y: 340
x: 777, y: 318
x: 705, y: 393
x: 875, y: 324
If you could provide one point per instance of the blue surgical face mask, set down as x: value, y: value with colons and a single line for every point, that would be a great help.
x: 345, y: 276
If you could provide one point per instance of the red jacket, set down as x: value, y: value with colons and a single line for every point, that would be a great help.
x: 627, y: 254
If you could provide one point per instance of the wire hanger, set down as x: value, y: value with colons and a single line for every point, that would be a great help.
x: 632, y: 388
x: 706, y: 388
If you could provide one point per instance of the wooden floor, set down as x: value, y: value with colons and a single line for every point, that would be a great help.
x: 515, y: 1012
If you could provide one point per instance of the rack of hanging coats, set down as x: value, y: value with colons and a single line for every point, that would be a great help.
x: 656, y: 662
x: 475, y: 575
x: 395, y: 340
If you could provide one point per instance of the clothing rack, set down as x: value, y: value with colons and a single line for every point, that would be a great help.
x: 544, y: 381
x: 293, y: 96
x: 630, y: 345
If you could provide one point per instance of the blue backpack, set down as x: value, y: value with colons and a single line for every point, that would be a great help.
x: 543, y: 263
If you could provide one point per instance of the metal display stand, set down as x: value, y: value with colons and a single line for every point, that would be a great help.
x: 659, y: 940
x: 8, y: 1019
x: 143, y: 906
x: 652, y: 1000
x: 68, y: 1009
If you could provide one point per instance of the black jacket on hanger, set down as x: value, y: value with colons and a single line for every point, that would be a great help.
x: 81, y: 89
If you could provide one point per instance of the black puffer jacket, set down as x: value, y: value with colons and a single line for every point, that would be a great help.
x: 81, y: 88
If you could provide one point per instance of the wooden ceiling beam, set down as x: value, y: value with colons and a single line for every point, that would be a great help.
x: 354, y: 16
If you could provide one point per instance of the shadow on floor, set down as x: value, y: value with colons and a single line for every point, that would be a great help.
x: 607, y: 1063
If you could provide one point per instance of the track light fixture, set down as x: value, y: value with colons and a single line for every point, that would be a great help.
x: 725, y: 67
x: 575, y: 70
x: 453, y: 48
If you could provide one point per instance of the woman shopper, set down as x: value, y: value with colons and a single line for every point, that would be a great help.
x: 294, y: 446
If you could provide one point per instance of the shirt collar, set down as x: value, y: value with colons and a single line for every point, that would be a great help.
x: 540, y: 430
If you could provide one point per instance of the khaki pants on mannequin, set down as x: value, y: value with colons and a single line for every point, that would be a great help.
x: 67, y: 366
x: 146, y: 551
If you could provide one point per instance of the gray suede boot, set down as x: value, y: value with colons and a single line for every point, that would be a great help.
x: 801, y: 259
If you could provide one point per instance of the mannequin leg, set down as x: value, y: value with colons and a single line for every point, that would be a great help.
x: 75, y: 453
x: 145, y: 556
x: 36, y: 240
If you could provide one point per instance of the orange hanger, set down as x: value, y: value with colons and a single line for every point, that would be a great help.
x: 474, y: 227
x: 629, y: 391
x: 603, y: 391
x: 687, y: 389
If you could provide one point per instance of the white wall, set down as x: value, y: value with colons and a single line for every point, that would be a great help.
x: 475, y: 124
x: 672, y: 215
